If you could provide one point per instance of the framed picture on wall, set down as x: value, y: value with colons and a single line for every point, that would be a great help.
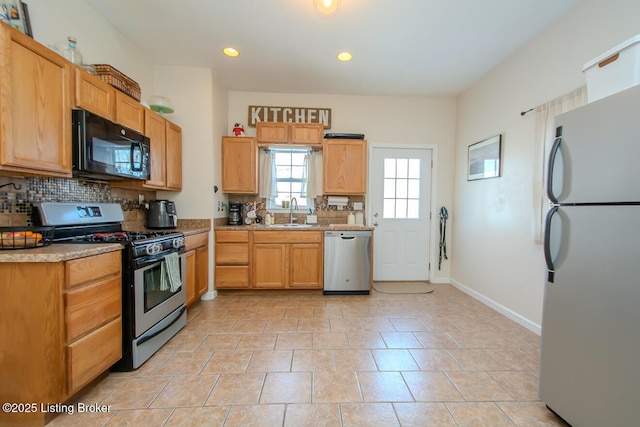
x: 485, y: 159
x: 16, y: 14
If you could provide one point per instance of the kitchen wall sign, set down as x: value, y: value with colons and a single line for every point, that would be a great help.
x: 259, y: 113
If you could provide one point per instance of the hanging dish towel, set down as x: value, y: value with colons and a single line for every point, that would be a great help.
x: 170, y: 274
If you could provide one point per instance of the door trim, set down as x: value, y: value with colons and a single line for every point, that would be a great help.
x: 433, y: 191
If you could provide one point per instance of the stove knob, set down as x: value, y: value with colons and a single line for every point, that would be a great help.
x: 154, y: 248
x: 177, y: 242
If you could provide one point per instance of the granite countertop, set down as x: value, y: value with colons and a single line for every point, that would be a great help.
x: 280, y: 227
x: 58, y: 252
x: 190, y: 231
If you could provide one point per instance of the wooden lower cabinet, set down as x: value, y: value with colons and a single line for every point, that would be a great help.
x: 270, y: 265
x: 65, y: 330
x: 191, y: 277
x: 93, y: 354
x: 287, y: 259
x: 305, y: 266
x: 202, y: 269
x: 269, y: 259
x: 197, y: 258
x: 232, y: 259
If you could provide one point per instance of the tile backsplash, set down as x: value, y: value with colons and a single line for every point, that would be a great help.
x: 17, y: 196
x: 326, y: 214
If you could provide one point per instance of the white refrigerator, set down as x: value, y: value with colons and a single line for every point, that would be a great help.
x: 590, y: 351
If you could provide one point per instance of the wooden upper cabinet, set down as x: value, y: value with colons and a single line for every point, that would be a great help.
x: 344, y: 164
x: 272, y: 132
x: 129, y: 112
x: 174, y: 156
x: 239, y: 165
x: 36, y: 101
x: 154, y: 126
x: 289, y: 133
x: 306, y: 133
x: 94, y: 95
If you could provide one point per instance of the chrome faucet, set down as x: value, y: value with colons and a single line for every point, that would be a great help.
x: 291, y: 218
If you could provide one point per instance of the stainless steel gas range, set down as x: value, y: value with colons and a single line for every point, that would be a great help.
x: 153, y: 271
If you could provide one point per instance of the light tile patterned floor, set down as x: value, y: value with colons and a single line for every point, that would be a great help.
x: 299, y: 358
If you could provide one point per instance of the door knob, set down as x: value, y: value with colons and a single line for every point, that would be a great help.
x: 375, y: 214
x: 375, y: 224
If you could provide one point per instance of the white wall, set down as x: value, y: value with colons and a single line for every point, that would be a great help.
x: 53, y: 21
x: 389, y: 120
x: 493, y: 253
x: 200, y: 109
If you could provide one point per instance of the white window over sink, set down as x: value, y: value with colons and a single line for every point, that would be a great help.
x: 290, y: 176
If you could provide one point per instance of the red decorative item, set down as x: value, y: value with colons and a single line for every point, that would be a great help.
x: 238, y: 130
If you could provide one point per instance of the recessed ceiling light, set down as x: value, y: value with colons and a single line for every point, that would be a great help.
x: 326, y: 7
x: 229, y: 51
x: 344, y: 56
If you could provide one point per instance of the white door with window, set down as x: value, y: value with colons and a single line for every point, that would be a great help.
x: 400, y: 206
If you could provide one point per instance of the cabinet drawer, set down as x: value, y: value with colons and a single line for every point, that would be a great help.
x: 83, y: 270
x: 232, y: 276
x: 287, y: 236
x: 88, y: 307
x: 93, y: 354
x: 232, y: 253
x: 196, y: 240
x: 224, y: 236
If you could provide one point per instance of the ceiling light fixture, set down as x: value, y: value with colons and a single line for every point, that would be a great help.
x: 326, y: 7
x: 229, y: 51
x: 344, y: 56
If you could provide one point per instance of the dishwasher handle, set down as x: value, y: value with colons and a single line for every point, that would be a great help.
x: 347, y: 237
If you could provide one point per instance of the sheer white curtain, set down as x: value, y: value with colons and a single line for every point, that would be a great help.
x: 268, y: 188
x: 311, y: 182
x: 544, y: 135
x: 308, y: 177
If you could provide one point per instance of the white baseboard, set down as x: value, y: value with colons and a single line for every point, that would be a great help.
x: 208, y: 296
x: 523, y: 321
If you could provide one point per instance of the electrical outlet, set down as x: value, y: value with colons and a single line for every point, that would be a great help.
x: 140, y: 198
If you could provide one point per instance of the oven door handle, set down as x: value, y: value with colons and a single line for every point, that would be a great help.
x: 151, y: 259
x: 156, y: 333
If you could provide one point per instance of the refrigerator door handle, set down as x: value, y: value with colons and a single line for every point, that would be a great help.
x: 547, y: 244
x: 552, y: 159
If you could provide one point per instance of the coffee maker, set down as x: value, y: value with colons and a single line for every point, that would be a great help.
x: 235, y: 213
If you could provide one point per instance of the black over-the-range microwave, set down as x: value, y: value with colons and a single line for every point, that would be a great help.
x: 105, y: 150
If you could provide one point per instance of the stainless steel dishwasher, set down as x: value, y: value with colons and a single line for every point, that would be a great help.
x: 347, y: 262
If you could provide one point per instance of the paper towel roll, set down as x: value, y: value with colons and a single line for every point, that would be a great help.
x: 337, y: 201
